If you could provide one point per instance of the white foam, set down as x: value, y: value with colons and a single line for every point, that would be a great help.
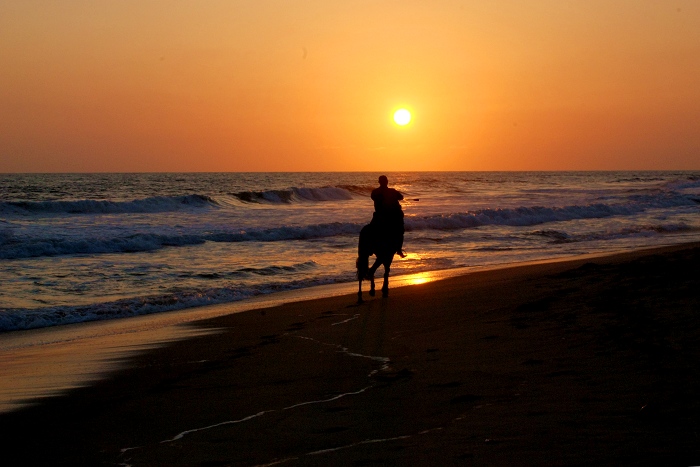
x: 348, y: 446
x: 346, y: 320
x: 261, y: 413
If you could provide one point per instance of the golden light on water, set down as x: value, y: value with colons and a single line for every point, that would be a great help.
x: 419, y: 278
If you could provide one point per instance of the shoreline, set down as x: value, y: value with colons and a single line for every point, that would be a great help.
x: 499, y: 359
x: 268, y: 300
x: 49, y: 361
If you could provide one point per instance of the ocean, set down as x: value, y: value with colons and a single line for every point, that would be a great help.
x: 83, y: 247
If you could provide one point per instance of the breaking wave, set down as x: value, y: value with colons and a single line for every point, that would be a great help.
x: 557, y: 236
x: 15, y: 247
x: 294, y: 194
x: 88, y: 206
x: 524, y: 216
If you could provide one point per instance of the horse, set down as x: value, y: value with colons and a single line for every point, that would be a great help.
x: 382, y: 243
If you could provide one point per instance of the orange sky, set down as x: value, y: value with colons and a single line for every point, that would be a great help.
x: 132, y: 86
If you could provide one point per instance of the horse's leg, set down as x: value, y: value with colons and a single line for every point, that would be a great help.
x: 359, y: 292
x: 374, y: 268
x: 371, y: 287
x: 387, y: 268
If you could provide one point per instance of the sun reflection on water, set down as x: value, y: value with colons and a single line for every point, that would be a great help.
x: 419, y: 278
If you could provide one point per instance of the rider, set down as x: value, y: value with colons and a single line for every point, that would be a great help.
x: 387, y: 211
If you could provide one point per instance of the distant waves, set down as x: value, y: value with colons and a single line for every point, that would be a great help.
x: 294, y: 194
x: 88, y: 206
x: 14, y: 246
x: 157, y: 204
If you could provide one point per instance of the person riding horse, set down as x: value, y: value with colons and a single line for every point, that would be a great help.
x: 382, y: 237
x: 388, y: 215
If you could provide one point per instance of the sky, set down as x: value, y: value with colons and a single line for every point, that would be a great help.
x: 282, y: 85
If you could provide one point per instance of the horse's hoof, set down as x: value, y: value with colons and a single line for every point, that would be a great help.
x: 372, y: 293
x: 385, y: 292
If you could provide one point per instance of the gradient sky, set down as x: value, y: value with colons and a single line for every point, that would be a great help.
x: 133, y: 86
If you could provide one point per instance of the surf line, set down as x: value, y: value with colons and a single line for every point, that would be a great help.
x: 259, y: 414
x: 348, y: 446
x: 345, y: 321
x: 228, y: 422
x: 346, y: 351
x: 371, y: 441
x: 342, y: 349
x: 277, y: 462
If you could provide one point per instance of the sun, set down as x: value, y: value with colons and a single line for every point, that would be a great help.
x: 402, y: 117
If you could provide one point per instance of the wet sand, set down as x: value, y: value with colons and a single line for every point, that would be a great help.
x: 589, y: 361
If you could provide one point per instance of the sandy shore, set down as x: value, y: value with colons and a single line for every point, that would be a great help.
x: 572, y: 363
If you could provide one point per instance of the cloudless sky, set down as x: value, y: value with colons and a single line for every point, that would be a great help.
x: 275, y: 85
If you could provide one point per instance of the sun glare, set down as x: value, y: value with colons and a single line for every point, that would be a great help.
x: 419, y: 278
x: 402, y: 117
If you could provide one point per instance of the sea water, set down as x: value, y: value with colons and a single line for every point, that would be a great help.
x: 80, y: 247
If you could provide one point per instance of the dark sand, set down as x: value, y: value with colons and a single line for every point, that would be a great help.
x: 585, y: 362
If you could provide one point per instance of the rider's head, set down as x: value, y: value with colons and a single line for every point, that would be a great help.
x: 383, y: 181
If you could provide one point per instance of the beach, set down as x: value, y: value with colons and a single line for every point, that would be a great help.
x: 579, y: 362
x: 183, y: 189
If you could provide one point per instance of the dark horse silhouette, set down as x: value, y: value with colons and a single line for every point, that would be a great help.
x: 382, y: 243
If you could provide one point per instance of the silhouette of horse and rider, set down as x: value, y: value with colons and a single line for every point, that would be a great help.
x: 382, y: 237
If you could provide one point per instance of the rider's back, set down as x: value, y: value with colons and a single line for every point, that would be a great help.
x: 386, y: 202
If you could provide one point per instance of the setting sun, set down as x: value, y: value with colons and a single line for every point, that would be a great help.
x: 402, y: 117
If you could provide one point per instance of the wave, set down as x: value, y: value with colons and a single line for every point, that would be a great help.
x: 683, y: 184
x: 525, y: 216
x: 6, y: 235
x: 16, y: 247
x: 558, y: 236
x: 295, y: 194
x: 248, y: 271
x: 15, y: 319
x: 12, y: 247
x: 364, y: 190
x: 89, y: 206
